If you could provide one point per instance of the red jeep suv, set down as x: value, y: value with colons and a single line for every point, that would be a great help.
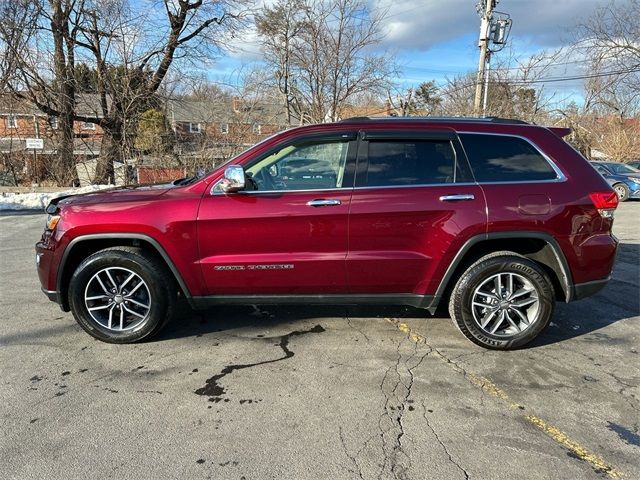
x: 497, y: 217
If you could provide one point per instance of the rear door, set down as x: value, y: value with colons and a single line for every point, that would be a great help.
x: 289, y: 236
x: 414, y: 205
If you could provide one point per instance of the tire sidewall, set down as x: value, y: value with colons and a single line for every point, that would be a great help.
x: 476, y: 275
x: 136, y: 263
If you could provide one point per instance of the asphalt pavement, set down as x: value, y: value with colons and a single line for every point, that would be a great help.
x: 317, y: 392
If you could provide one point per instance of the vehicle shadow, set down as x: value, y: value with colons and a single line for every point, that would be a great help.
x: 618, y: 301
x: 263, y: 317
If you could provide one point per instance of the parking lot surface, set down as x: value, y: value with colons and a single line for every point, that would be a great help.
x: 318, y: 392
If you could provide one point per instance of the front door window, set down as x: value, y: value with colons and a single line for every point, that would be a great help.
x: 310, y: 166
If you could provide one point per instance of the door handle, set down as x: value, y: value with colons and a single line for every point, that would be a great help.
x: 323, y: 203
x: 457, y: 197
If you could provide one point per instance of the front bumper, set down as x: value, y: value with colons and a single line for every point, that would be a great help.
x: 51, y: 295
x: 46, y: 265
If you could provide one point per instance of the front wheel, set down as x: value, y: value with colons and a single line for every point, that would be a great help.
x: 121, y: 295
x: 503, y: 301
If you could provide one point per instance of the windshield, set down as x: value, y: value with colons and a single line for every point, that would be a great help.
x: 621, y: 168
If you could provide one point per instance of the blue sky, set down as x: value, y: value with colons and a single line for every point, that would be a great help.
x: 436, y: 39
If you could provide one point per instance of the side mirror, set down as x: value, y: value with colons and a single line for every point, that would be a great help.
x: 233, y: 180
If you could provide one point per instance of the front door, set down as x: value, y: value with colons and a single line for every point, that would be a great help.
x: 288, y: 235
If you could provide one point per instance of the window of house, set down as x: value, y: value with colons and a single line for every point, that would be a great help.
x: 410, y: 162
x: 53, y: 122
x: 12, y: 121
x: 503, y: 158
x: 194, y: 127
x: 257, y: 128
x: 308, y: 166
x: 88, y: 126
x: 224, y: 128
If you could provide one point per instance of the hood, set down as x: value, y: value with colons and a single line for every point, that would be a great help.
x: 113, y: 195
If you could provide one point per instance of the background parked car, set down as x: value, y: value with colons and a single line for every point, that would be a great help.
x: 624, y: 178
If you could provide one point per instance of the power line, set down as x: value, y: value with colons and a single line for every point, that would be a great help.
x: 577, y: 77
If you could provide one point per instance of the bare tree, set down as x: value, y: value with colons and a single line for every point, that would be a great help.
x: 610, y: 40
x: 320, y: 53
x: 44, y: 73
x: 130, y: 46
x: 610, y: 43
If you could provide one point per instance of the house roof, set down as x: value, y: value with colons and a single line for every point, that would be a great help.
x: 12, y: 105
x: 87, y: 104
x: 225, y: 110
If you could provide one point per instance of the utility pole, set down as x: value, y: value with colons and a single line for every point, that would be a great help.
x: 485, y: 8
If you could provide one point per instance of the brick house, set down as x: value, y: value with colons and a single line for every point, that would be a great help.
x: 20, y: 119
x: 216, y: 130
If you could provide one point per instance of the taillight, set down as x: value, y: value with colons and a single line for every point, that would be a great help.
x: 605, y: 202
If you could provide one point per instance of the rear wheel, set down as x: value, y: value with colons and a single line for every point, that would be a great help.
x: 622, y: 190
x: 122, y: 295
x: 503, y: 301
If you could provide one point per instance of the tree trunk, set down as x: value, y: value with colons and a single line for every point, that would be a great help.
x: 64, y: 84
x: 64, y: 149
x: 111, y: 150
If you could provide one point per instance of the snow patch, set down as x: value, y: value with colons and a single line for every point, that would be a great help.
x: 40, y: 200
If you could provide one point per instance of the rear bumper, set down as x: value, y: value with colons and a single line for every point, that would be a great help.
x: 583, y: 290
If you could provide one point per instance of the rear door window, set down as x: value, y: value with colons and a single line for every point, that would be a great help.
x: 410, y: 162
x: 502, y: 158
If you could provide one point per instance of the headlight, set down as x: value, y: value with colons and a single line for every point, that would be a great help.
x: 635, y: 180
x: 52, y: 221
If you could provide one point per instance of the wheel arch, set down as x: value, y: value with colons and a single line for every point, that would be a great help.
x: 81, y: 247
x: 538, y: 246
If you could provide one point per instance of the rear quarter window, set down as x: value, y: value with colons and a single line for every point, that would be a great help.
x: 502, y: 158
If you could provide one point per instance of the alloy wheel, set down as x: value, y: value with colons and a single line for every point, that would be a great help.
x: 118, y: 299
x: 505, y: 304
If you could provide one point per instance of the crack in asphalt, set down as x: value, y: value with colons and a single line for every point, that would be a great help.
x: 215, y: 391
x: 629, y: 399
x: 359, y: 330
x: 573, y: 448
x: 444, y: 447
x: 353, y: 458
x: 396, y: 387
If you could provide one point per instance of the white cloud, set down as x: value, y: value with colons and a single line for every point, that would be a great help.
x: 433, y: 22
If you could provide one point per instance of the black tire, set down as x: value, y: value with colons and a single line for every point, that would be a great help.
x: 158, y: 289
x: 521, y: 271
x: 622, y: 190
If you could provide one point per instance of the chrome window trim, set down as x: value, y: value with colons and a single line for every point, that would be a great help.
x: 560, y: 176
x: 422, y: 185
x: 263, y: 192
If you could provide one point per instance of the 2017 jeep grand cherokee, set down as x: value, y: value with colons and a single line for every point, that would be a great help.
x: 496, y: 217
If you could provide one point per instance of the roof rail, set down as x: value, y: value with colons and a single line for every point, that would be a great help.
x: 438, y: 119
